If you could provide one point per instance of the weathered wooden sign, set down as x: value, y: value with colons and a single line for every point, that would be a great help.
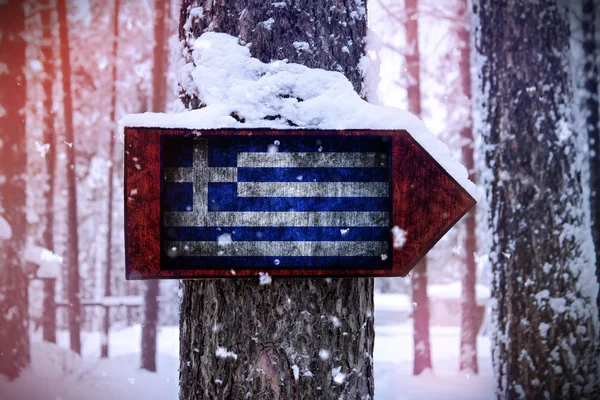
x: 233, y: 203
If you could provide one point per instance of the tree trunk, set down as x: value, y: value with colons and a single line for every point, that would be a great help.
x: 149, y: 326
x: 73, y: 295
x: 47, y: 48
x: 159, y: 98
x: 420, y: 299
x: 14, y: 316
x: 544, y: 285
x: 291, y: 335
x: 592, y: 120
x: 418, y: 279
x: 468, y: 307
x: 110, y: 173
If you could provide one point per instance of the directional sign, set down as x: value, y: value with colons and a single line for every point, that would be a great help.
x: 236, y: 203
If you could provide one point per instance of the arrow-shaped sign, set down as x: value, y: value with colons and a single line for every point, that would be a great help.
x: 224, y: 203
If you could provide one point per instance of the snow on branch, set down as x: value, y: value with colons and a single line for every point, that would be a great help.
x: 239, y: 91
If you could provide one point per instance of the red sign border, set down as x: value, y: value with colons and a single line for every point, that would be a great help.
x: 413, y: 176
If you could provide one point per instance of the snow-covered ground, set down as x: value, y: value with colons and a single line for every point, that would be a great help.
x: 57, y: 374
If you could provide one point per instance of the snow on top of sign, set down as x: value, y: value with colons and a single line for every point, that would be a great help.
x: 242, y: 92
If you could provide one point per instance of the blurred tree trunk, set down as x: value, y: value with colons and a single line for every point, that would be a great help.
x: 48, y: 61
x: 592, y: 115
x: 73, y: 295
x: 468, y: 308
x: 544, y: 286
x: 422, y: 346
x: 159, y: 99
x: 14, y: 316
x: 111, y: 175
x: 276, y: 328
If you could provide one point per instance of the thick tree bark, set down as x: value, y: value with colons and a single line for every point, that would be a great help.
x: 73, y: 295
x: 111, y: 175
x: 418, y: 279
x: 544, y: 285
x: 290, y: 336
x: 159, y: 98
x: 592, y: 118
x: 14, y: 317
x: 47, y: 48
x: 468, y: 307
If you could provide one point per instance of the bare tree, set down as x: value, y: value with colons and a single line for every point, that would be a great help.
x: 420, y: 299
x: 110, y: 173
x: 49, y: 75
x: 73, y: 295
x: 289, y: 321
x: 14, y: 317
x: 468, y: 324
x: 159, y: 97
x: 544, y: 286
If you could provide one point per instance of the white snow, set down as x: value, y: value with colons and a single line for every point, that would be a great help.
x: 56, y: 373
x: 338, y: 376
x: 394, y: 302
x: 224, y: 239
x: 42, y: 148
x: 48, y: 262
x: 453, y: 291
x: 5, y: 229
x: 301, y: 46
x: 399, y: 235
x: 268, y: 24
x: 222, y: 352
x: 264, y: 278
x: 229, y: 81
x: 120, y: 301
x: 324, y: 354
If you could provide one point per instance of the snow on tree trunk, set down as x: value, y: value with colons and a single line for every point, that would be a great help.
x: 73, y: 295
x: 544, y: 286
x: 292, y: 338
x: 422, y: 347
x: 468, y: 307
x: 159, y: 94
x: 14, y: 318
x: 592, y: 114
x: 48, y: 61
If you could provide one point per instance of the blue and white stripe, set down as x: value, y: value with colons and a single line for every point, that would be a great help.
x: 292, y: 201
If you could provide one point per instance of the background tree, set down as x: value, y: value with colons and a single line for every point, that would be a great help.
x: 592, y: 116
x: 111, y: 183
x: 14, y: 317
x: 159, y: 97
x: 49, y: 75
x: 73, y: 295
x: 290, y: 321
x: 418, y: 277
x: 546, y: 316
x: 468, y: 311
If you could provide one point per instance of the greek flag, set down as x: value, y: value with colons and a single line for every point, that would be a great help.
x: 271, y: 201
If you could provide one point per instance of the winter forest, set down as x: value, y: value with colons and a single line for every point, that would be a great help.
x: 504, y: 306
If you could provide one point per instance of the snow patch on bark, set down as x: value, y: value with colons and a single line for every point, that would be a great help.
x: 222, y: 352
x: 264, y: 278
